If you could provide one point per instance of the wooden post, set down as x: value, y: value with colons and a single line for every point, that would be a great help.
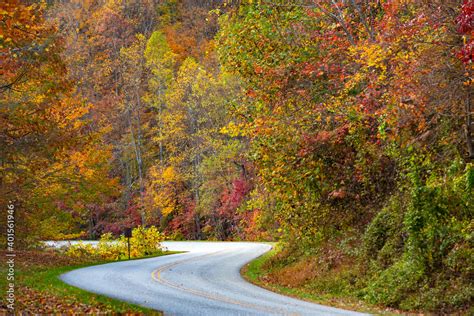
x: 128, y: 234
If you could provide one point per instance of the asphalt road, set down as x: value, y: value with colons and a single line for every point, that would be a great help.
x: 203, y: 281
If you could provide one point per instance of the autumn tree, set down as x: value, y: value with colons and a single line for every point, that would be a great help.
x: 344, y: 121
x: 54, y: 167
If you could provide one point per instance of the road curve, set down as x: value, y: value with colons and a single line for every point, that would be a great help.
x: 203, y: 281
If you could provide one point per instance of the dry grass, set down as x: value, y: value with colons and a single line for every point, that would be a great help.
x: 296, y: 274
x: 45, y: 258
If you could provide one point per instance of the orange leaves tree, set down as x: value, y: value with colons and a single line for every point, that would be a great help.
x: 52, y: 166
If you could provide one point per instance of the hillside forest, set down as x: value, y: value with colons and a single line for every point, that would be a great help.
x: 343, y: 129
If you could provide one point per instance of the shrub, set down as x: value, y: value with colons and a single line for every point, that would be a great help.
x: 82, y: 250
x: 144, y: 242
x: 111, y: 249
x: 72, y: 236
x: 392, y: 285
x: 420, y: 246
x: 384, y: 238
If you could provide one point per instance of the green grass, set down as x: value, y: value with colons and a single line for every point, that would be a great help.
x: 46, y: 280
x: 255, y: 272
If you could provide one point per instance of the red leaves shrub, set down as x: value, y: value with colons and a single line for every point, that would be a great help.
x: 183, y: 224
x: 231, y: 199
x: 465, y: 25
x: 465, y: 20
x: 131, y: 217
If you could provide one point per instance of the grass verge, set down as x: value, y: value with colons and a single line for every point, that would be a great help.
x: 38, y: 288
x: 257, y: 272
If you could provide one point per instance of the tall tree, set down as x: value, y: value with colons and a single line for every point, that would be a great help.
x: 53, y: 164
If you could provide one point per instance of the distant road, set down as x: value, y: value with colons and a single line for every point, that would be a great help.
x: 204, y: 281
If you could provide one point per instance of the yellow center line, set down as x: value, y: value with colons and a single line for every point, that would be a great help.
x: 156, y: 275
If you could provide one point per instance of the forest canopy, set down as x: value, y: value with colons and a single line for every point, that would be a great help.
x: 343, y: 129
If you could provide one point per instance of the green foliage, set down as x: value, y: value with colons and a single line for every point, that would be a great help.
x: 393, y: 284
x: 384, y: 238
x: 437, y: 216
x: 420, y: 246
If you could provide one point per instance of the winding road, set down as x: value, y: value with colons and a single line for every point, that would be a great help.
x: 203, y: 281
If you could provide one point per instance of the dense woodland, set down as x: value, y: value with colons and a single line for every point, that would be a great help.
x: 343, y: 129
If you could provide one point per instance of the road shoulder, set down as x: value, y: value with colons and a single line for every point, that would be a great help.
x: 256, y: 272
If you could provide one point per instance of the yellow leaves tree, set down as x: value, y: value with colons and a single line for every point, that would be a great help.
x: 161, y: 61
x: 163, y: 191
